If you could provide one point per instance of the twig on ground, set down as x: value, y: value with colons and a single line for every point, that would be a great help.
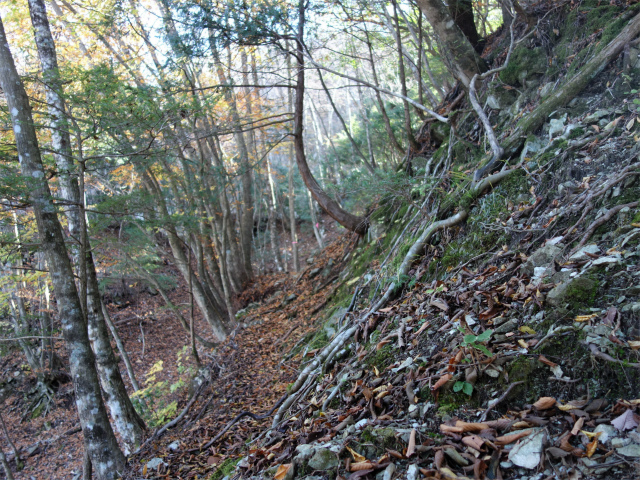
x: 499, y: 400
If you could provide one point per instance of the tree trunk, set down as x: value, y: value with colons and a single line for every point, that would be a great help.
x: 413, y: 145
x: 100, y: 441
x: 463, y: 61
x: 462, y: 13
x: 351, y: 222
x: 125, y: 418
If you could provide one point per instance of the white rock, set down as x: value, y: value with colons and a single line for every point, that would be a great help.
x: 608, y: 432
x: 154, y: 463
x: 412, y: 472
x: 389, y: 471
x: 581, y: 254
x: 528, y: 451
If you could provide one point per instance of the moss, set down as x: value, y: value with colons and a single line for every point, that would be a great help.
x: 319, y: 340
x: 531, y: 60
x: 381, y: 437
x: 382, y: 358
x: 226, y: 468
x: 576, y: 132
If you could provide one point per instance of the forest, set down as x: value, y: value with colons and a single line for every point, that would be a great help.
x: 319, y: 239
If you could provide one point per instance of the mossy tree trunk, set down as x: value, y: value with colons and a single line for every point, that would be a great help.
x: 462, y: 59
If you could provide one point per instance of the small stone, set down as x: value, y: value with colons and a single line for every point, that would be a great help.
x: 632, y: 450
x: 620, y: 442
x: 389, y: 471
x: 556, y: 126
x: 605, y: 261
x: 314, y: 272
x: 541, y: 258
x: 507, y: 327
x: 154, y: 463
x: 323, y: 459
x: 608, y: 432
x: 304, y: 453
x: 412, y: 472
x: 595, y: 116
x: 174, y: 446
x: 581, y: 254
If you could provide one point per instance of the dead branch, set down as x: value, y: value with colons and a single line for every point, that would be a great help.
x: 605, y: 356
x: 500, y: 399
x: 601, y: 221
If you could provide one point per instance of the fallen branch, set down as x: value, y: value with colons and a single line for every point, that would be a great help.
x: 601, y: 221
x: 499, y: 400
x: 237, y: 418
x: 605, y: 356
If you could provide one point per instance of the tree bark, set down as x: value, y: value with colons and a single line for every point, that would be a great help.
x: 100, y: 441
x: 463, y: 61
x: 124, y: 416
x: 413, y: 145
x: 462, y: 13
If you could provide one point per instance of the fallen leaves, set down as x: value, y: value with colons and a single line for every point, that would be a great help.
x: 627, y: 421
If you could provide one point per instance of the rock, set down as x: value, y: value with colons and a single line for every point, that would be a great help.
x: 303, y: 453
x: 556, y: 126
x: 527, y: 452
x: 532, y: 147
x: 632, y: 450
x: 388, y: 472
x: 314, y: 272
x: 562, y: 276
x: 619, y: 442
x: 154, y: 463
x: 412, y: 472
x: 608, y: 432
x: 507, y: 327
x: 581, y: 254
x: 577, y: 292
x: 174, y: 446
x: 289, y: 299
x: 605, y: 261
x: 542, y: 257
x: 546, y: 89
x: 323, y: 459
x: 595, y: 116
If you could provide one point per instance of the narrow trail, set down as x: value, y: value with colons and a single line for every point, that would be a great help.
x: 247, y: 372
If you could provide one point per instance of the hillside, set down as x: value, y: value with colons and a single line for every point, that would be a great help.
x: 509, y: 347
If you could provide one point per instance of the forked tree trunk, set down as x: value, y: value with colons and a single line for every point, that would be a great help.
x: 354, y: 223
x: 125, y: 418
x: 463, y: 61
x: 100, y: 442
x: 462, y: 13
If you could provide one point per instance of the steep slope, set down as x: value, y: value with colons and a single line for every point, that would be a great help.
x: 503, y: 344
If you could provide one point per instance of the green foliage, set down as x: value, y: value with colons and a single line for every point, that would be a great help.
x: 475, y: 341
x: 154, y: 403
x: 466, y: 387
x: 226, y: 468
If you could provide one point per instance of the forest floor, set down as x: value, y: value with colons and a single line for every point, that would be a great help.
x: 248, y: 367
